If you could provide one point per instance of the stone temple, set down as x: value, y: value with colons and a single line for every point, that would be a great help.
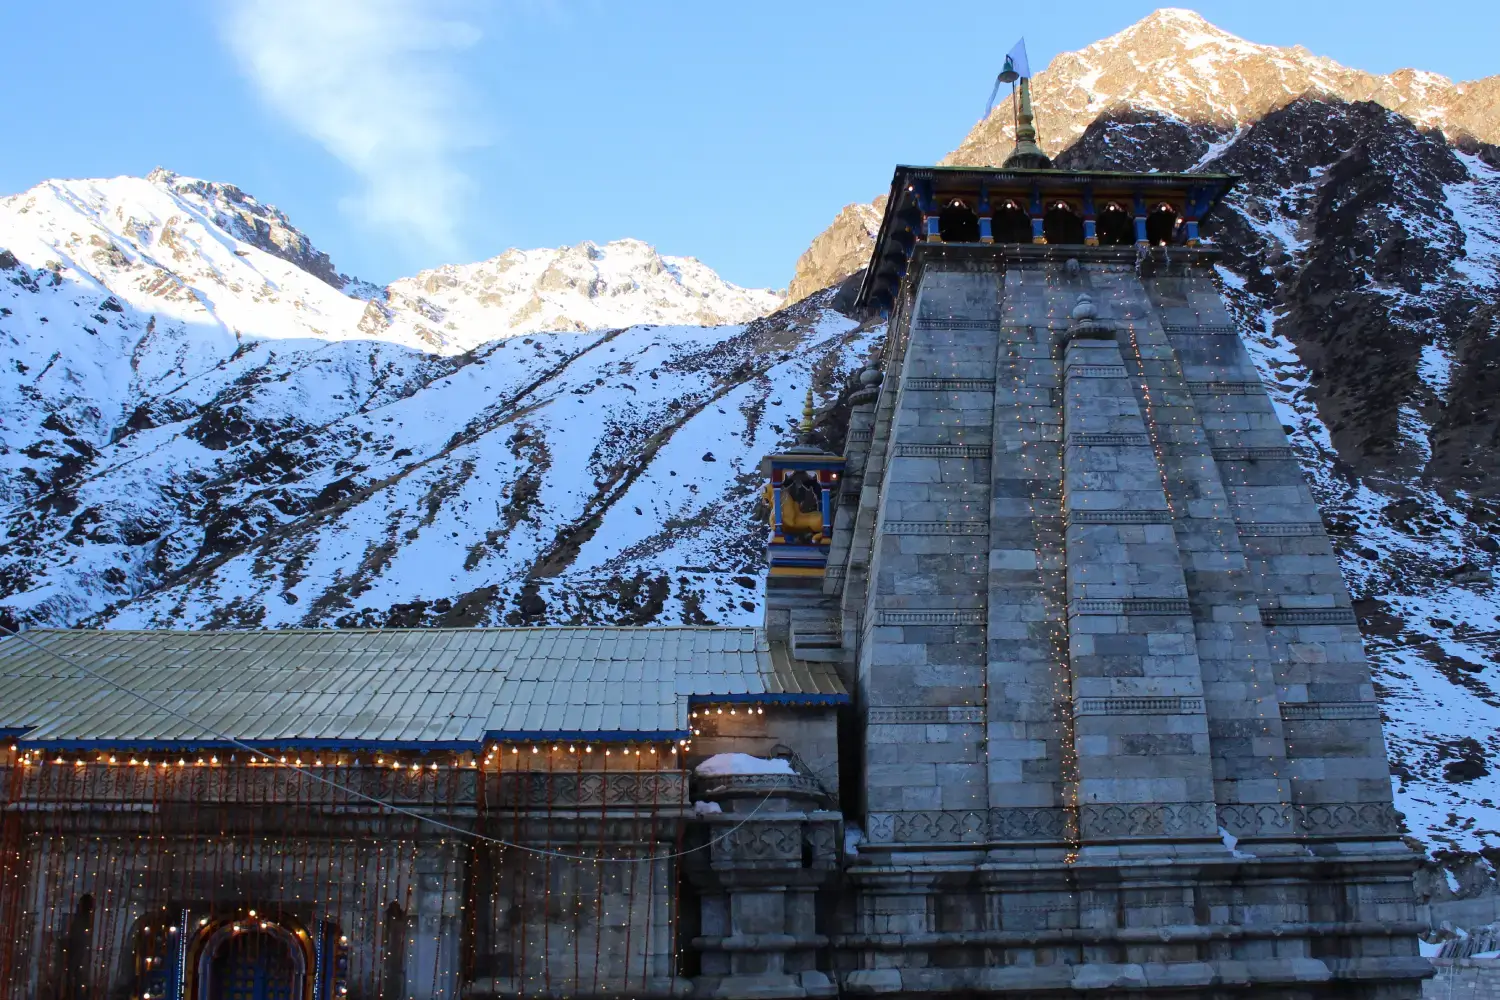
x: 1059, y: 694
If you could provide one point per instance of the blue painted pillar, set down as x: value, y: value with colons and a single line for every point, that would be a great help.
x: 930, y: 231
x: 1191, y: 213
x: 1140, y: 220
x: 986, y: 219
x: 1038, y: 231
x: 1090, y: 221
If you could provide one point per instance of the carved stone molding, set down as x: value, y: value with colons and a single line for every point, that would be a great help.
x: 1294, y: 711
x: 1348, y: 819
x: 1138, y: 706
x: 1181, y: 328
x: 760, y: 785
x: 1280, y: 530
x: 1096, y: 371
x: 1047, y: 823
x: 1130, y: 606
x: 759, y: 842
x: 934, y: 826
x: 1119, y: 517
x: 950, y: 384
x: 1260, y: 819
x: 1252, y: 454
x: 965, y: 617
x: 1146, y: 819
x: 953, y: 715
x: 1109, y: 440
x: 1271, y: 617
x: 1225, y: 388
x: 949, y: 323
x: 589, y: 789
x: 942, y: 451
x: 936, y: 527
x: 862, y: 435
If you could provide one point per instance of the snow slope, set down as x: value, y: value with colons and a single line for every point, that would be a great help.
x: 202, y: 422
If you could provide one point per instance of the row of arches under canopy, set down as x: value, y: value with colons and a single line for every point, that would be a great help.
x: 1061, y: 224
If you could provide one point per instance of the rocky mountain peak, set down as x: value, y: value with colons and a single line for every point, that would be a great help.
x: 1175, y: 62
x: 242, y: 216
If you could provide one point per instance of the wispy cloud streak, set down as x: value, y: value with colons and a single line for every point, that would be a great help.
x: 372, y: 82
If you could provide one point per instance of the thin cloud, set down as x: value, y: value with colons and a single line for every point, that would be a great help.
x: 371, y: 81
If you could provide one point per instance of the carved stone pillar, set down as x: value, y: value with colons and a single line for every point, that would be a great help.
x: 769, y: 852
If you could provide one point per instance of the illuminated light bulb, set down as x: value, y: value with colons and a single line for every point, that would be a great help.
x: 535, y: 750
x: 515, y: 749
x: 588, y: 749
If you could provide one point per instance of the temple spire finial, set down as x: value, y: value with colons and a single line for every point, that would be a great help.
x: 1027, y: 153
x: 806, y: 426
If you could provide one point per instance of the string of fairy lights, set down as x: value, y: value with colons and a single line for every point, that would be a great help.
x: 212, y: 863
x: 1053, y: 583
x: 1226, y: 536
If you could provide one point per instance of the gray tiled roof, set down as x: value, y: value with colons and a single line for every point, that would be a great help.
x: 387, y: 686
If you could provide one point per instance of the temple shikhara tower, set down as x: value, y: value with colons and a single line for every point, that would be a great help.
x: 1059, y: 694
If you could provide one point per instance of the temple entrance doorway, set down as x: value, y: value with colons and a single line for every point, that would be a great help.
x: 252, y: 962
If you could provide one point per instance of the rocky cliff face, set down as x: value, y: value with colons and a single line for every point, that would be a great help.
x: 839, y: 251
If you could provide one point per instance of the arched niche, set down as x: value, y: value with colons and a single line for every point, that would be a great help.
x: 1161, y: 224
x: 1115, y: 225
x: 248, y: 956
x: 1062, y: 224
x: 957, y: 223
x: 1010, y: 223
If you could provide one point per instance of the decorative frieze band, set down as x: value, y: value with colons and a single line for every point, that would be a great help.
x: 951, y: 715
x: 942, y: 451
x: 940, y: 826
x: 1328, y: 711
x: 936, y: 528
x: 1271, y: 617
x: 1259, y: 819
x: 965, y: 617
x: 865, y: 434
x: 1146, y: 819
x: 1215, y: 388
x: 835, y: 572
x: 1342, y: 819
x: 1096, y: 371
x: 1108, y: 440
x: 1119, y: 517
x: 950, y: 384
x: 1172, y: 328
x: 1121, y: 705
x: 1130, y: 606
x: 950, y: 323
x: 1251, y: 454
x: 1280, y: 530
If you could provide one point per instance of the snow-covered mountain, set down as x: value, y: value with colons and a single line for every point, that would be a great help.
x: 203, y: 423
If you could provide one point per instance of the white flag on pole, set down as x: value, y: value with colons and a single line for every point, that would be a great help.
x: 1016, y: 65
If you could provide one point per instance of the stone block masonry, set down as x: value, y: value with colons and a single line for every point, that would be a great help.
x: 1115, y: 713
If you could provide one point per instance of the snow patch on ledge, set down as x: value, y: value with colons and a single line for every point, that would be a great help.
x: 721, y: 764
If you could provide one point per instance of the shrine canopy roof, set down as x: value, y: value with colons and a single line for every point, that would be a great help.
x: 423, y: 689
x: 920, y: 192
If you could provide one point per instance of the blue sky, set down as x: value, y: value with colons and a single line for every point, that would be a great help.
x: 402, y: 134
